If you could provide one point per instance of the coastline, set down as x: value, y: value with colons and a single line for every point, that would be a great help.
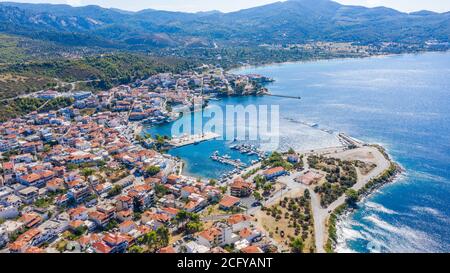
x: 342, y: 212
x: 375, y: 56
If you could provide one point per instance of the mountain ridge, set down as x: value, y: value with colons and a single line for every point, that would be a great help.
x: 288, y: 22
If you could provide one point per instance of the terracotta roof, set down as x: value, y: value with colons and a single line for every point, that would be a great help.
x: 237, y: 218
x: 229, y: 201
x: 34, y: 250
x: 167, y: 250
x: 210, y: 234
x: 245, y: 233
x: 251, y: 249
x: 127, y: 224
x: 101, y: 247
x: 274, y: 170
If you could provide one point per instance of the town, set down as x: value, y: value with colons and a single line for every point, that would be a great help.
x: 83, y: 178
x: 87, y: 178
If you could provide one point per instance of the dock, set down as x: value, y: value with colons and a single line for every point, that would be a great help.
x: 349, y: 141
x: 226, y: 160
x: 284, y: 96
x: 186, y: 140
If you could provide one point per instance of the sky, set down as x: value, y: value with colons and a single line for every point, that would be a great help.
x: 233, y: 5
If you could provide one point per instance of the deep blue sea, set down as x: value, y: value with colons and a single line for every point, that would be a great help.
x: 401, y: 102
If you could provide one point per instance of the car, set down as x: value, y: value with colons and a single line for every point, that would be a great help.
x: 256, y: 204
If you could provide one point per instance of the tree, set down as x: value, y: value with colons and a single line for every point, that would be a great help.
x: 259, y: 181
x: 135, y: 249
x: 257, y: 196
x: 163, y: 236
x: 86, y: 172
x: 151, y: 240
x: 267, y: 187
x: 352, y: 197
x: 193, y: 227
x: 116, y: 190
x: 152, y: 170
x: 181, y: 217
x: 297, y: 245
x: 137, y: 205
x: 212, y: 182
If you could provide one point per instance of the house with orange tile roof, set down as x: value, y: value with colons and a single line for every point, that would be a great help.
x: 149, y: 216
x: 116, y: 241
x: 229, y: 202
x: 273, y: 173
x: 127, y: 226
x: 240, y: 188
x: 167, y: 250
x: 218, y: 235
x: 24, y: 240
x: 239, y: 222
x: 30, y: 220
x: 124, y: 215
x: 34, y: 250
x: 55, y: 184
x: 124, y: 202
x: 101, y: 247
x: 252, y: 250
x: 78, y: 213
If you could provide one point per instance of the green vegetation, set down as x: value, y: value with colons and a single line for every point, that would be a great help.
x: 153, y: 241
x: 250, y: 173
x: 276, y: 160
x: 341, y: 175
x: 297, y: 245
x: 21, y: 106
x: 332, y: 236
x: 152, y: 170
x: 294, y: 221
x: 190, y: 221
x: 44, y: 202
x: 116, y: 190
x: 385, y: 177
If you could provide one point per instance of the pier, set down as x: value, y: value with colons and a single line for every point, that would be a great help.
x: 226, y: 160
x: 349, y: 141
x: 284, y: 96
x: 192, y: 139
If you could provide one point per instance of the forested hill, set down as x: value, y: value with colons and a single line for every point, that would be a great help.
x: 294, y: 21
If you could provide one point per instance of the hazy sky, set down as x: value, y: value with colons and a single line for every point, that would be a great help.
x: 232, y: 5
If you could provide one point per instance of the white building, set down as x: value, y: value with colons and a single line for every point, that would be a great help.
x: 193, y: 247
x: 8, y: 212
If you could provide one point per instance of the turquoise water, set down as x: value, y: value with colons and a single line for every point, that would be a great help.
x: 401, y: 102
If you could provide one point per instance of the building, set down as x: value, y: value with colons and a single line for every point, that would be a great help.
x: 8, y: 212
x: 309, y: 178
x: 229, y: 202
x: 239, y: 222
x: 29, y: 194
x: 274, y: 173
x: 293, y: 158
x: 240, y: 188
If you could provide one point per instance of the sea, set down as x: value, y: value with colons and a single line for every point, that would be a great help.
x: 401, y: 102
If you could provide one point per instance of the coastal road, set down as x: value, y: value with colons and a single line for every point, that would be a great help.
x: 321, y: 214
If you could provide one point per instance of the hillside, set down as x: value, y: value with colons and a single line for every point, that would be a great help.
x: 293, y: 21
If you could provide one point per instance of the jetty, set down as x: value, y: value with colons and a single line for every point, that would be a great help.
x: 186, y: 140
x: 284, y: 96
x: 229, y: 161
x: 349, y: 141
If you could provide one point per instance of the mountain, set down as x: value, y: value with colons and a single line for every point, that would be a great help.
x: 293, y: 21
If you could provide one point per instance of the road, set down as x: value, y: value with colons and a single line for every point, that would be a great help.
x: 321, y: 214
